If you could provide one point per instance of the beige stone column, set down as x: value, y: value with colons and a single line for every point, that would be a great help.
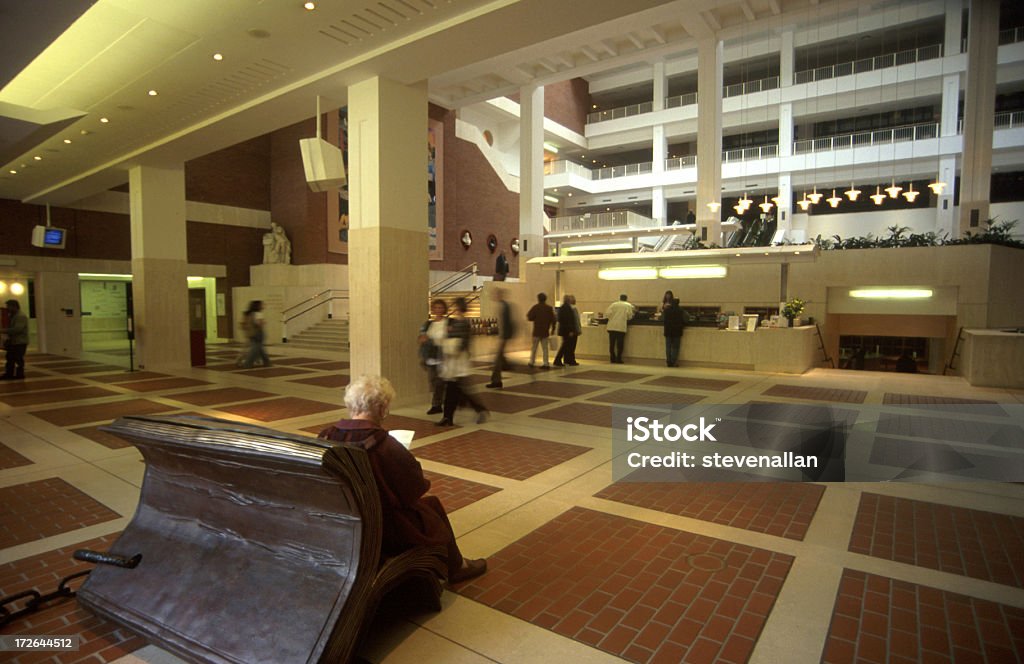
x: 387, y: 250
x: 979, y: 114
x: 709, y: 139
x: 159, y: 267
x: 531, y: 174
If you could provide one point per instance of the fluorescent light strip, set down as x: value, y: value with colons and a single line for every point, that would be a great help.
x: 693, y: 272
x: 98, y: 275
x: 625, y: 273
x: 892, y: 293
x: 599, y: 247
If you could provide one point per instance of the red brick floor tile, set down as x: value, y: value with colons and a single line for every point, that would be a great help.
x: 606, y: 376
x: 55, y: 396
x: 127, y: 376
x: 499, y: 402
x: 154, y: 385
x: 553, y: 388
x: 859, y: 635
x: 219, y: 396
x: 505, y: 455
x: 422, y: 427
x: 974, y: 543
x: 333, y: 380
x: 635, y: 396
x: 272, y: 372
x: 684, y: 382
x: 780, y: 509
x: 103, y: 412
x: 338, y: 365
x: 289, y: 361
x: 75, y: 371
x: 279, y: 409
x: 34, y: 385
x: 11, y: 459
x: 597, y: 415
x: 581, y: 546
x: 455, y: 493
x: 94, y: 434
x: 101, y: 640
x: 43, y: 508
x: 816, y: 393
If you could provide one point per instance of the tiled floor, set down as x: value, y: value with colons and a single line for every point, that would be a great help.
x: 582, y: 569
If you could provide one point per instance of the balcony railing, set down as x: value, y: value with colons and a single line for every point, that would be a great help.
x: 621, y: 112
x: 877, y: 137
x: 748, y: 154
x: 1011, y: 35
x: 564, y: 166
x: 883, y: 61
x: 610, y: 172
x: 688, y: 99
x: 676, y: 163
x: 1009, y: 120
x: 748, y: 87
x: 601, y: 221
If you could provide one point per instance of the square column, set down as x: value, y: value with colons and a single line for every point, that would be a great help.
x: 709, y: 139
x: 531, y: 174
x: 660, y: 86
x: 387, y: 250
x: 944, y: 219
x: 784, y: 210
x: 786, y: 129
x: 954, y: 26
x: 159, y: 266
x: 787, y: 56
x: 979, y: 115
x: 950, y: 104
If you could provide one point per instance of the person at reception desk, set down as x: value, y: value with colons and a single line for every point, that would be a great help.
x: 619, y: 314
x: 674, y: 319
x: 569, y: 329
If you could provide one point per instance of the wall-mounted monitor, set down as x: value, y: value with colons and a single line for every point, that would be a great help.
x: 48, y: 237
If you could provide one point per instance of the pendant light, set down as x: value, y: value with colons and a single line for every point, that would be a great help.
x: 937, y: 187
x: 766, y: 207
x: 739, y: 209
x: 714, y: 206
x: 852, y: 193
x: 745, y: 202
x: 834, y: 200
x: 815, y: 197
x: 894, y: 190
x: 910, y: 194
x: 804, y: 202
x: 878, y: 196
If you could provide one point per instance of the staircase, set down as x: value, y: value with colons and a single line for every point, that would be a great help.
x: 472, y: 299
x: 327, y: 335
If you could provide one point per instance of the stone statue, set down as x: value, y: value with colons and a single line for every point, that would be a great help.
x: 277, y: 248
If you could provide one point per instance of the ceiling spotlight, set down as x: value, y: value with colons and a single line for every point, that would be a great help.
x: 104, y: 120
x: 68, y: 141
x: 13, y: 171
x: 218, y: 57
x: 37, y: 158
x: 310, y: 6
x: 152, y: 93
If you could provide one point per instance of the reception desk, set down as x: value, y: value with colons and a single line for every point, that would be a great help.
x: 781, y: 350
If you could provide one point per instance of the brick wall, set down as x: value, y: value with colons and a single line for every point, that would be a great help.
x: 234, y: 247
x: 567, y: 103
x: 238, y: 176
x: 99, y: 235
x: 475, y: 199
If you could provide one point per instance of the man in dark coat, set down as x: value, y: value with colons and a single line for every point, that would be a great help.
x: 501, y: 267
x: 569, y: 329
x: 675, y: 319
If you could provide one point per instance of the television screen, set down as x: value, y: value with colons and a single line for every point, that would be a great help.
x: 54, y: 237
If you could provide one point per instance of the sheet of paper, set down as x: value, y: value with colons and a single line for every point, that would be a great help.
x: 404, y: 436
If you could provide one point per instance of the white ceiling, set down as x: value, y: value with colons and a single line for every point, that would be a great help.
x: 278, y: 57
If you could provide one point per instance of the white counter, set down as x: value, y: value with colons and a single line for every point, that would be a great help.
x: 782, y: 350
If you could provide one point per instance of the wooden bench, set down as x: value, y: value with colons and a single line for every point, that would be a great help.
x: 257, y: 546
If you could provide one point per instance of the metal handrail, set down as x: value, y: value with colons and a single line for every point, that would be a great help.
x: 1011, y: 35
x: 323, y: 300
x: 311, y: 298
x: 456, y: 277
x: 883, y: 61
x: 876, y: 137
x: 1009, y: 120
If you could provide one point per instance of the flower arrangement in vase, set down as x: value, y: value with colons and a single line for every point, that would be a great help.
x: 793, y: 309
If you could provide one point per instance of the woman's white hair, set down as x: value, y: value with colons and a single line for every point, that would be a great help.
x: 368, y: 395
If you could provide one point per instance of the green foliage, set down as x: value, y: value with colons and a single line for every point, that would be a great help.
x: 1000, y: 233
x: 793, y: 308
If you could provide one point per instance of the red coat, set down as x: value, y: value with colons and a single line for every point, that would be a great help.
x: 410, y: 518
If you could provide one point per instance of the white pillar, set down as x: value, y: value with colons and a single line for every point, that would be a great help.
x: 387, y: 250
x: 954, y: 26
x: 709, y: 139
x: 159, y: 266
x: 659, y: 206
x: 979, y: 115
x: 531, y: 174
x: 786, y: 129
x: 659, y: 149
x: 660, y: 85
x: 950, y: 104
x: 787, y: 56
x: 784, y: 211
x: 944, y: 218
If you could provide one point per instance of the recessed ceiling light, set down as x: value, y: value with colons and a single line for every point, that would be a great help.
x: 104, y: 120
x: 152, y: 93
x: 13, y: 172
x: 67, y: 140
x: 310, y: 6
x: 85, y: 132
x: 218, y: 57
x: 37, y: 158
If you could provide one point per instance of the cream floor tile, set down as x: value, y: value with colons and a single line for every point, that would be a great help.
x: 62, y: 540
x: 149, y: 655
x: 405, y: 642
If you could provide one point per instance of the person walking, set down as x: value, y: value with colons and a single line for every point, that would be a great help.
x: 456, y: 366
x: 542, y: 315
x: 506, y: 330
x: 431, y: 339
x: 253, y: 325
x: 569, y: 329
x: 674, y: 319
x: 619, y: 314
x: 16, y: 341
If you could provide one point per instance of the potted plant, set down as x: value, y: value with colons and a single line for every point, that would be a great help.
x: 793, y: 309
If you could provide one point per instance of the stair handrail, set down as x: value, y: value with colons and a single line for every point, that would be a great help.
x: 325, y: 297
x: 448, y: 282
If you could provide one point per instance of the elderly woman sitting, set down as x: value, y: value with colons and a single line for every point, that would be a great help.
x: 410, y: 517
